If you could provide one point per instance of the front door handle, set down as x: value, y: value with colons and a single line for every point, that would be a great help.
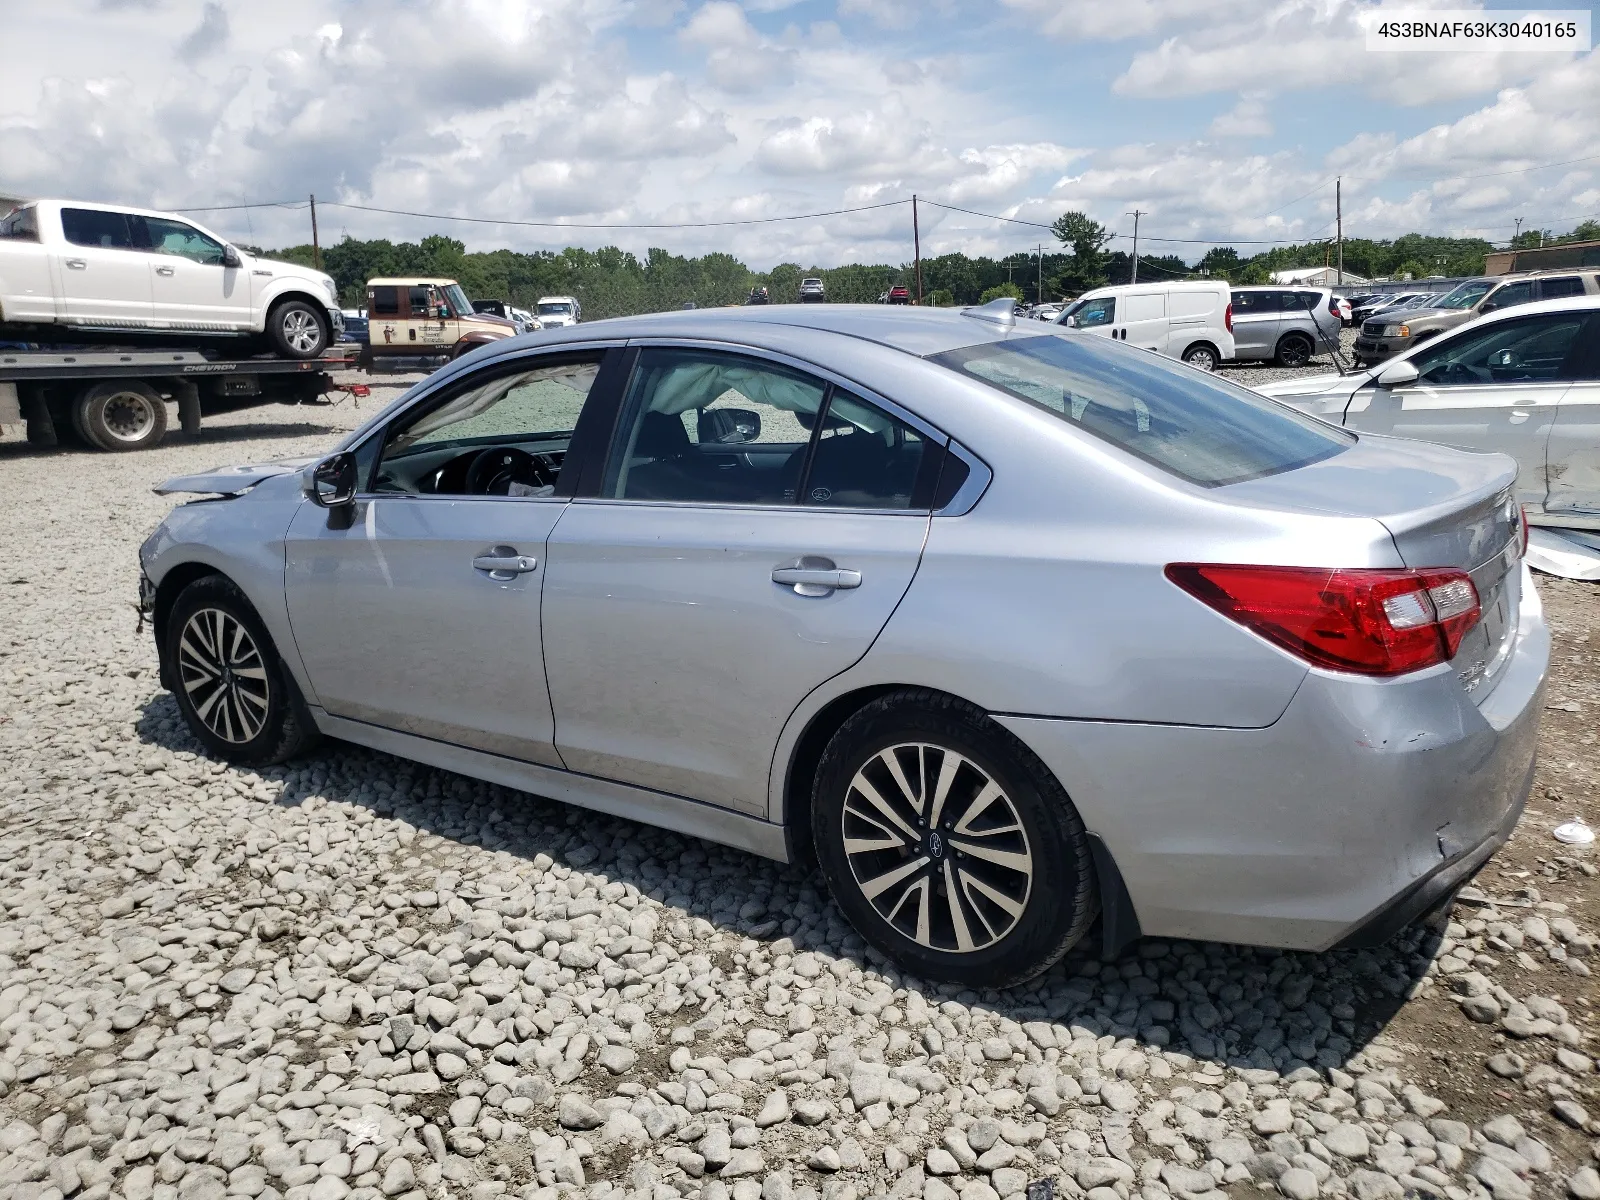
x: 163, y: 270
x: 76, y: 264
x: 505, y: 563
x: 815, y: 576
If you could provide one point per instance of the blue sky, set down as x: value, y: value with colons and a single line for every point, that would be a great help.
x: 1215, y: 118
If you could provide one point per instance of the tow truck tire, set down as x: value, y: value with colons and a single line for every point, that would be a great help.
x: 121, y: 415
x: 297, y: 329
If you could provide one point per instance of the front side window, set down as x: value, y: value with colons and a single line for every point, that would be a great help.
x: 174, y: 237
x: 1521, y: 292
x: 503, y: 436
x: 1528, y: 350
x: 1199, y: 428
x: 705, y: 427
x: 95, y: 227
x: 1102, y: 310
x: 418, y: 298
x: 20, y: 224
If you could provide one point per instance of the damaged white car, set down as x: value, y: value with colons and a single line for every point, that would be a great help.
x: 1524, y: 381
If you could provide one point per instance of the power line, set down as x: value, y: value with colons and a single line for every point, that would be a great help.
x: 1497, y: 174
x: 294, y: 204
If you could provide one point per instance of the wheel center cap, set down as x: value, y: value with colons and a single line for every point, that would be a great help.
x: 935, y: 845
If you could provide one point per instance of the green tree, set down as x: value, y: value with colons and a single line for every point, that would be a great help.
x: 942, y: 298
x: 1088, y: 238
x: 999, y: 291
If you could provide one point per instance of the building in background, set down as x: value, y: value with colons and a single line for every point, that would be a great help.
x: 1543, y: 258
x: 1316, y: 277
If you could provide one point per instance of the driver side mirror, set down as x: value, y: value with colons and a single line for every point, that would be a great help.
x: 1396, y: 374
x: 728, y: 426
x: 331, y: 483
x: 230, y: 257
x: 1487, y: 308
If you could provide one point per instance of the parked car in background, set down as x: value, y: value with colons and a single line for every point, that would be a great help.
x: 1284, y: 325
x: 523, y: 322
x: 1046, y: 312
x: 812, y: 291
x: 1395, y: 330
x: 76, y: 272
x: 1370, y: 304
x: 1344, y: 310
x: 1524, y: 381
x: 355, y: 327
x: 758, y: 295
x: 412, y: 317
x: 558, y: 312
x: 1008, y: 626
x: 898, y: 294
x: 525, y: 319
x: 1189, y: 320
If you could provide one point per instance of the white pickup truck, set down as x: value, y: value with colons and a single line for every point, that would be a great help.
x: 75, y: 272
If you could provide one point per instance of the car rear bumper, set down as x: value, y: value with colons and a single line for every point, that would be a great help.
x: 1361, y: 807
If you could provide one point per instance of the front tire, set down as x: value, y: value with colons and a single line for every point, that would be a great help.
x: 1294, y: 350
x: 948, y: 844
x: 298, y: 329
x: 232, y: 688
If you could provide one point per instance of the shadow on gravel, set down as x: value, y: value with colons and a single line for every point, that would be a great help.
x: 216, y: 435
x: 1245, y: 1007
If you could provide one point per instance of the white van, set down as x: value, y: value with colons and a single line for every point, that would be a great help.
x: 1192, y: 321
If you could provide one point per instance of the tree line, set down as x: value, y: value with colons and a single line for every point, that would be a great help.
x: 613, y: 282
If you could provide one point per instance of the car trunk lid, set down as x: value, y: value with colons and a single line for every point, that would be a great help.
x: 1442, y: 507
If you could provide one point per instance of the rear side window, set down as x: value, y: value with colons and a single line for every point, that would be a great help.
x: 20, y: 225
x: 1566, y: 285
x: 385, y: 301
x: 1201, y: 429
x: 1254, y: 303
x: 92, y: 227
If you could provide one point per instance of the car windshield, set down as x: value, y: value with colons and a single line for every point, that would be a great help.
x: 457, y: 299
x: 1199, y: 428
x: 1466, y: 295
x: 555, y: 310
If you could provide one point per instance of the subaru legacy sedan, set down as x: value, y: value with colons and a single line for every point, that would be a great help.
x: 1006, y: 627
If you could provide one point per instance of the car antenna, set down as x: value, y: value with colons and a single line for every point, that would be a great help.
x: 997, y: 312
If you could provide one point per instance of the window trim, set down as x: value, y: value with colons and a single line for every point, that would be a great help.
x: 1572, y: 362
x: 829, y: 379
x: 603, y: 399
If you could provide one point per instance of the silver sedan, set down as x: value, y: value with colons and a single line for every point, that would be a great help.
x: 1005, y: 627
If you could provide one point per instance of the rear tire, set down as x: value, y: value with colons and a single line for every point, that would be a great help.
x: 983, y: 874
x: 119, y: 416
x: 298, y: 329
x: 1203, y: 356
x: 234, y: 692
x: 1294, y: 350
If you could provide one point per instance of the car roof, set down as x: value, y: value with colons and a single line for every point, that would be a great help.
x: 911, y: 329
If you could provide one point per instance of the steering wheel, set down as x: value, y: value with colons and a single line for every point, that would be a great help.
x: 1459, y: 373
x: 496, y: 468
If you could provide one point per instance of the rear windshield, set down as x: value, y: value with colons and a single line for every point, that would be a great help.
x: 1195, y: 426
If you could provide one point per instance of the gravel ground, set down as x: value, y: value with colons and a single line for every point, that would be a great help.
x: 1254, y: 374
x: 358, y: 977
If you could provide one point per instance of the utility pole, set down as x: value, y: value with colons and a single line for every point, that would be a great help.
x: 1135, y: 214
x: 916, y: 245
x: 1338, y: 213
x: 1040, y: 300
x: 316, y: 246
x: 1518, y: 234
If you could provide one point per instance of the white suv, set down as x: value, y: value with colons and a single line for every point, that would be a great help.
x: 87, y: 267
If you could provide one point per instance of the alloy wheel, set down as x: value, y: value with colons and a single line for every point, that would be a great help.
x: 128, y: 416
x: 1203, y: 359
x: 224, y: 675
x: 937, y: 847
x: 301, y: 331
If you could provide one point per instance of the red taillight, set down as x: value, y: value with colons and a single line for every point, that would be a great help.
x: 1227, y: 317
x: 1371, y: 622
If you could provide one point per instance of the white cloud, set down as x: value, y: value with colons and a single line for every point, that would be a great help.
x: 1101, y: 20
x: 1246, y: 119
x: 894, y: 14
x: 738, y: 58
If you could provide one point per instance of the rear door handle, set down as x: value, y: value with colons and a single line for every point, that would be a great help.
x: 163, y: 270
x: 815, y: 576
x: 504, y: 566
x: 76, y: 264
